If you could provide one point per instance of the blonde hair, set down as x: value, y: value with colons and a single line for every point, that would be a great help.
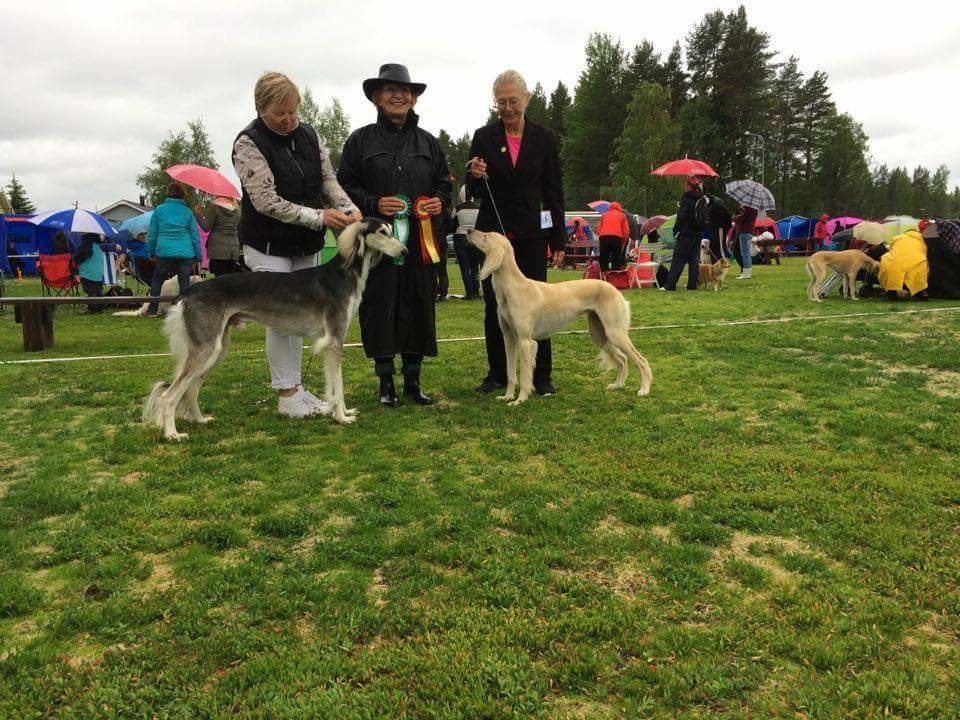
x: 273, y: 88
x: 510, y: 77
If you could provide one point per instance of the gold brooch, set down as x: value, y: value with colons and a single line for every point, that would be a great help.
x: 503, y: 149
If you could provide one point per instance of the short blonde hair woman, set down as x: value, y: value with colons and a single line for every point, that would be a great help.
x: 515, y: 169
x: 290, y: 195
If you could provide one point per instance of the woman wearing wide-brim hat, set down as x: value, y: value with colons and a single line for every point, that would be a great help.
x: 395, y: 170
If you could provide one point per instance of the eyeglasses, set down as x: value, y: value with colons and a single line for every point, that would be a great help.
x: 513, y: 102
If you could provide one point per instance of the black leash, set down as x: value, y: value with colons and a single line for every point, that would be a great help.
x: 495, y: 210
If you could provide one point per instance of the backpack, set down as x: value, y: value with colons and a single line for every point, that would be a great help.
x: 701, y: 213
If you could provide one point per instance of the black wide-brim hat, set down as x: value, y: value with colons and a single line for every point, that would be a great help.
x: 391, y: 73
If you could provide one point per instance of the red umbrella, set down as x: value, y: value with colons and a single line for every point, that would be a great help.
x: 203, y: 178
x: 686, y: 166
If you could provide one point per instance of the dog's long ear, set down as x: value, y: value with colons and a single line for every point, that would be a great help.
x: 492, y: 261
x: 350, y: 241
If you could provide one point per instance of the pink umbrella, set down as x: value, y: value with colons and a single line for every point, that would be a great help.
x: 686, y: 166
x: 203, y: 178
x: 842, y: 223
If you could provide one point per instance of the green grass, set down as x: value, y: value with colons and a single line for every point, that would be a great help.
x: 773, y: 532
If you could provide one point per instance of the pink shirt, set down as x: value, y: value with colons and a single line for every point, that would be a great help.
x: 513, y: 144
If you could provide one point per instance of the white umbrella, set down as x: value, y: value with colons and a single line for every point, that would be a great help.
x: 74, y: 220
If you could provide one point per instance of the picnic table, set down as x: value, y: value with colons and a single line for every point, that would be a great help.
x: 578, y: 251
x: 35, y: 314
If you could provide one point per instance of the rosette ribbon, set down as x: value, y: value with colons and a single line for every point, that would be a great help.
x: 401, y: 226
x: 428, y: 243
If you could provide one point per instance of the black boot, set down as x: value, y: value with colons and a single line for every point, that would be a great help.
x: 388, y: 391
x: 411, y: 387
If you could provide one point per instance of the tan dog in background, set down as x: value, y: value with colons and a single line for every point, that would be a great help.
x: 846, y: 262
x: 713, y: 274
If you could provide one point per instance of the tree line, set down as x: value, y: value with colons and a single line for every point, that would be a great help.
x: 718, y: 96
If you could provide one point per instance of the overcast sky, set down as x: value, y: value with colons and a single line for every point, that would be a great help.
x: 90, y: 89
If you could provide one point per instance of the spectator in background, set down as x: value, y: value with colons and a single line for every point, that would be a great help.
x: 687, y: 231
x: 742, y: 231
x: 468, y: 256
x: 821, y: 231
x: 720, y: 223
x: 613, y: 232
x: 221, y: 220
x: 174, y: 241
x: 90, y: 259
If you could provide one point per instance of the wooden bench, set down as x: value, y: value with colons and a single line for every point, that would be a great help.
x: 35, y: 314
x: 578, y: 251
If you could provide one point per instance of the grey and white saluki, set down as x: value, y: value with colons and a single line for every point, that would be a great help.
x: 528, y: 310
x: 317, y: 303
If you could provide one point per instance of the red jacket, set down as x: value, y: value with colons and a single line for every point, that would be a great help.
x: 614, y: 222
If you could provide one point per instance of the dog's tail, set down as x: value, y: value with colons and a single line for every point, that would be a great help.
x: 175, y: 328
x: 151, y: 408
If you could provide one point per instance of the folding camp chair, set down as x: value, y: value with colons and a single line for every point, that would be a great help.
x: 830, y: 284
x: 643, y: 269
x: 58, y: 275
x: 141, y: 270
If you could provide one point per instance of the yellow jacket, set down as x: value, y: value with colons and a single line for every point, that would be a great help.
x: 905, y: 264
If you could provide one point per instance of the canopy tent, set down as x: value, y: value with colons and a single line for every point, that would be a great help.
x: 842, y: 223
x: 899, y: 224
x: 766, y: 224
x: 795, y: 226
x: 137, y: 224
x: 19, y: 236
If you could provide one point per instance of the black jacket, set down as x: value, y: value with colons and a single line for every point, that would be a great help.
x: 383, y: 160
x: 686, y: 224
x: 720, y: 217
x: 520, y: 192
x: 297, y: 166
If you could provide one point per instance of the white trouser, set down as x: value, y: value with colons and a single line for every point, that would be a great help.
x: 284, y: 352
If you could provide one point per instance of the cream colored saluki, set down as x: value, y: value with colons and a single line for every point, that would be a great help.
x: 529, y: 311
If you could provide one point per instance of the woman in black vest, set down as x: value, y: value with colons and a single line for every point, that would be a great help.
x: 386, y: 167
x: 522, y: 162
x: 290, y: 195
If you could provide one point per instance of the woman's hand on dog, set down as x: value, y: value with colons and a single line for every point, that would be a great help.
x: 336, y: 219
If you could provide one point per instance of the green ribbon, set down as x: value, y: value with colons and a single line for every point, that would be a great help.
x: 401, y: 227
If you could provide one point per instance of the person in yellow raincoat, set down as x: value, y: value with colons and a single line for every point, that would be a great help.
x: 905, y: 264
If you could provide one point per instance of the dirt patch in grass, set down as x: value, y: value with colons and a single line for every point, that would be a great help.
x: 663, y: 532
x: 611, y: 525
x: 501, y: 515
x: 759, y: 549
x: 132, y: 478
x: 684, y: 501
x: 377, y: 588
x: 161, y: 576
x: 944, y: 383
x: 625, y: 579
x: 572, y: 708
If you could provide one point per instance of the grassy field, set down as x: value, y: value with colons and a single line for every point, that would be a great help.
x: 773, y: 532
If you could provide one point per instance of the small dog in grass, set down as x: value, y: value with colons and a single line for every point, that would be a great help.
x: 713, y: 274
x: 846, y: 262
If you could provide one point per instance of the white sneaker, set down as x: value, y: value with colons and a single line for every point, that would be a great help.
x: 297, y: 405
x: 322, y: 406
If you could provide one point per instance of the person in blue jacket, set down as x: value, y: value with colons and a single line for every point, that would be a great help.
x: 173, y: 241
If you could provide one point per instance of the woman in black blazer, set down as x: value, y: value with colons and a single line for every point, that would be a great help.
x: 522, y: 164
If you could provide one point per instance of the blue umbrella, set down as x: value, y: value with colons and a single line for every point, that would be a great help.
x: 74, y: 220
x: 138, y: 224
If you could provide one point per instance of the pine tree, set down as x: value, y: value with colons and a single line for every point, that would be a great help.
x: 899, y: 192
x: 648, y: 139
x: 557, y: 110
x: 784, y: 140
x: 842, y: 173
x: 643, y: 65
x: 675, y: 79
x: 537, y: 107
x: 938, y: 188
x: 595, y: 118
x: 703, y: 47
x: 457, y: 153
x: 922, y: 194
x: 190, y: 146
x: 814, y: 108
x: 17, y: 197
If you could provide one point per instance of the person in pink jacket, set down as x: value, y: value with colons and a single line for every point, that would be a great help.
x: 613, y: 232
